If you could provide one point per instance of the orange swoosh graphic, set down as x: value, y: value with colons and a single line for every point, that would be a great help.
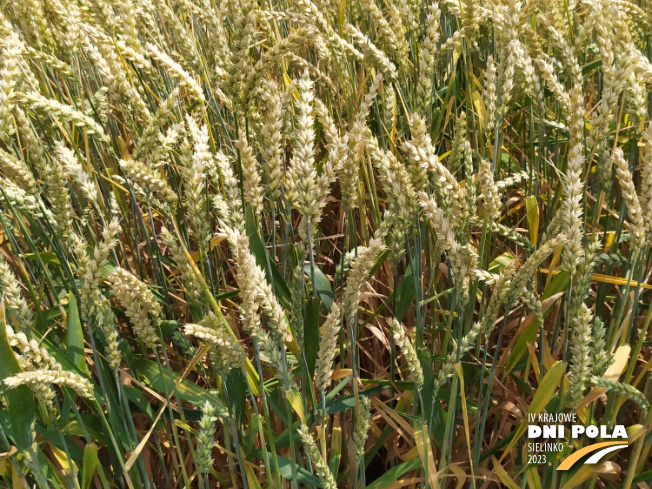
x: 571, y: 459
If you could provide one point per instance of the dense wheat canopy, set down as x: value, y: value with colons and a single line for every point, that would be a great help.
x: 315, y: 243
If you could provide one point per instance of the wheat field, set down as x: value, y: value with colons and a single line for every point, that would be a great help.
x: 349, y: 244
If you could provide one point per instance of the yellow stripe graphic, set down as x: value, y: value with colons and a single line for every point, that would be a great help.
x: 570, y: 460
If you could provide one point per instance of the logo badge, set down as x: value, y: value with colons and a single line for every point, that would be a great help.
x: 550, y: 432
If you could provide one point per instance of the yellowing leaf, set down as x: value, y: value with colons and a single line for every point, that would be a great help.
x: 252, y: 377
x: 297, y: 404
x: 533, y: 479
x: 607, y: 279
x: 17, y: 478
x: 621, y: 358
x: 422, y: 441
x: 502, y: 474
x: 336, y: 445
x: 535, y: 362
x: 501, y: 262
x: 251, y: 477
x: 342, y: 373
x: 532, y: 208
x: 478, y: 103
x: 62, y: 458
x: 459, y: 473
x: 587, y: 471
x: 465, y: 414
x: 634, y: 432
x: 547, y: 388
